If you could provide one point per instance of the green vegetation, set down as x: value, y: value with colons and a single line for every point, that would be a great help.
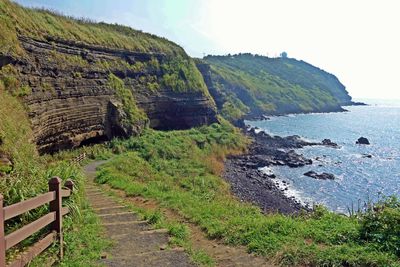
x: 182, y: 74
x: 178, y: 71
x: 9, y: 81
x: 380, y: 225
x: 234, y: 109
x: 28, y: 177
x: 133, y: 113
x: 82, y: 230
x: 15, y: 144
x: 180, y: 169
x: 179, y: 232
x: 273, y: 85
x: 40, y: 24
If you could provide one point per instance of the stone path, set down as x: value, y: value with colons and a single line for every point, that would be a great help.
x: 135, y: 242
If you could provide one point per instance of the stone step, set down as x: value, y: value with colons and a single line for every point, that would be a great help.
x: 133, y: 243
x: 161, y: 258
x: 115, y: 230
x: 119, y: 217
x: 94, y: 194
x: 110, y: 210
x: 102, y: 204
x: 91, y: 188
x: 99, y: 198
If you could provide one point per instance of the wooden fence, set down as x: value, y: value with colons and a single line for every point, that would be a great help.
x: 79, y: 158
x: 53, y: 218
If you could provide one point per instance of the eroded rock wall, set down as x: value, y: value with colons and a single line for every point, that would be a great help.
x: 70, y: 101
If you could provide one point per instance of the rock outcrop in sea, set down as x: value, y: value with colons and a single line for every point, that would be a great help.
x: 251, y: 183
x: 362, y: 141
x: 320, y: 176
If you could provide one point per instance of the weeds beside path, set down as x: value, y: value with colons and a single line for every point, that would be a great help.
x: 135, y: 242
x: 221, y: 254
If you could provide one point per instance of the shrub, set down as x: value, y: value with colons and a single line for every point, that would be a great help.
x: 381, y: 225
x: 134, y: 114
x: 24, y: 91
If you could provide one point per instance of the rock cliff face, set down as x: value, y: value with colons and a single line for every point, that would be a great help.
x: 254, y: 85
x: 70, y: 100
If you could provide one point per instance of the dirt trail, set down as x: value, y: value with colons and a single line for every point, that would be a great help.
x: 223, y: 255
x: 135, y: 243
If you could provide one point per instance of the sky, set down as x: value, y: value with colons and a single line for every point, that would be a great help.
x: 357, y: 40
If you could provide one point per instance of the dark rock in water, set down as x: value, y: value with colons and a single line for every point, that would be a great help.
x: 362, y: 141
x: 312, y: 174
x: 358, y: 104
x: 257, y: 117
x: 293, y: 160
x: 322, y: 176
x: 328, y: 142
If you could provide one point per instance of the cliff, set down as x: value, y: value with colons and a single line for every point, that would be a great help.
x: 247, y: 84
x: 84, y: 82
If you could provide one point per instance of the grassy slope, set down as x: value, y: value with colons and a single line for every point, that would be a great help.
x: 181, y: 169
x: 275, y: 84
x: 179, y: 71
x: 30, y: 171
x: 39, y: 24
x: 29, y: 178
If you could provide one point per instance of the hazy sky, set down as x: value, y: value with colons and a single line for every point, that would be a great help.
x: 357, y: 40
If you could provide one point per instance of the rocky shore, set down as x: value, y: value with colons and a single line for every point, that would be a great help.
x: 253, y: 185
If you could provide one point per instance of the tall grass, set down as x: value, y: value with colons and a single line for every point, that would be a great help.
x: 179, y: 170
x: 39, y: 23
x: 29, y: 177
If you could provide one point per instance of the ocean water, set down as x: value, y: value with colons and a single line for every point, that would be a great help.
x: 358, y: 179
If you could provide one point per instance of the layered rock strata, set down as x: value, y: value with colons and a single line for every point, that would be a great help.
x: 70, y: 101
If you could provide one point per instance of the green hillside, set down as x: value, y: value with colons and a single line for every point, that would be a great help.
x: 178, y: 70
x: 39, y: 24
x: 258, y: 84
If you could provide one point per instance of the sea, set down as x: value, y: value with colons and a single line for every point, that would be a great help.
x: 364, y: 174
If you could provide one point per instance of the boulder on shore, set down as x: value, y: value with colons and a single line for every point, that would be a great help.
x: 362, y: 141
x: 322, y: 176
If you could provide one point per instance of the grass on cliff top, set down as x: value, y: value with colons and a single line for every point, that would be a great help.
x: 271, y: 86
x: 179, y: 72
x: 15, y: 19
x: 181, y: 170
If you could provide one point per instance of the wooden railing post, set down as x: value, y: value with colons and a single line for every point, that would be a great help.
x: 56, y: 205
x: 70, y: 185
x: 2, y: 235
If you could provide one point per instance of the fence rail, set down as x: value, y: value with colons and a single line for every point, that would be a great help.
x: 79, y: 158
x: 53, y: 218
